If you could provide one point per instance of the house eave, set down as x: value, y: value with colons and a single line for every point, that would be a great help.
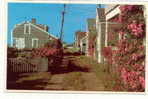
x: 44, y: 31
x: 35, y: 27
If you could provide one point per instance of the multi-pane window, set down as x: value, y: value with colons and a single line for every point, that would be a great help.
x: 35, y: 43
x: 19, y: 43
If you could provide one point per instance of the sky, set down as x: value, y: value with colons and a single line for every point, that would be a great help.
x: 51, y: 15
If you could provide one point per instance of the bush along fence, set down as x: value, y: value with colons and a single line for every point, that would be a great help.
x: 52, y: 51
x: 129, y: 59
x: 36, y: 60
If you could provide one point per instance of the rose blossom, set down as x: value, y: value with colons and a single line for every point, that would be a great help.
x: 134, y: 56
x: 129, y: 7
x: 122, y: 8
x: 142, y: 82
x: 135, y: 66
x: 140, y: 47
x: 121, y: 32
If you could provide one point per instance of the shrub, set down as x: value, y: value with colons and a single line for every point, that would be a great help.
x: 129, y: 59
x: 11, y: 52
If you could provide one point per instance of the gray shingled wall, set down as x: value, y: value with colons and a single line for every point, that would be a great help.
x: 35, y: 33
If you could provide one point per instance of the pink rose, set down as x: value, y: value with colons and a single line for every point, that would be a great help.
x: 140, y: 47
x: 143, y: 63
x: 129, y: 7
x: 122, y: 8
x: 135, y: 66
x: 142, y: 82
x: 134, y: 56
x: 121, y: 32
x: 141, y: 54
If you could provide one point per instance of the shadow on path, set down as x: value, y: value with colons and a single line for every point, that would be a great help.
x: 68, y: 64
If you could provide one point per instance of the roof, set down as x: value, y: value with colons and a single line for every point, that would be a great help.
x: 38, y: 26
x: 109, y: 7
x: 80, y: 34
x: 101, y: 14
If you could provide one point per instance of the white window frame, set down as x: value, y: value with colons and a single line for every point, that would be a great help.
x: 18, y: 41
x: 33, y: 39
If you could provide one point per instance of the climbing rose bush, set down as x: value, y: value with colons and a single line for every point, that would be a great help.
x: 107, y: 53
x: 46, y: 52
x: 92, y: 43
x: 129, y: 59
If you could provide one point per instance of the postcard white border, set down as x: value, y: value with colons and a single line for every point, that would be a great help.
x: 67, y: 2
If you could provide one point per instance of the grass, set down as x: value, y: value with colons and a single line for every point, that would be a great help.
x: 74, y: 78
x: 101, y: 70
x: 75, y: 81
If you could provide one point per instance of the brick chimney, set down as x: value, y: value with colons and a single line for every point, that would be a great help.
x: 33, y: 20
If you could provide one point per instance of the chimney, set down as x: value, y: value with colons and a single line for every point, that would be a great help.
x: 33, y: 20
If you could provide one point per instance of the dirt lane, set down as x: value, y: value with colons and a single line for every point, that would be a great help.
x: 78, y: 76
x: 73, y: 74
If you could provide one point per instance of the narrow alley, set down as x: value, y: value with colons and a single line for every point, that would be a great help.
x: 75, y: 73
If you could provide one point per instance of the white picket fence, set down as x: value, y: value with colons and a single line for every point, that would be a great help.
x: 15, y: 65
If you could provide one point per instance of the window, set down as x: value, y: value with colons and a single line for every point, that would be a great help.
x: 19, y: 43
x: 84, y: 44
x: 35, y: 43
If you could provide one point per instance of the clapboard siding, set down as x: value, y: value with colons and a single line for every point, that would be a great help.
x: 35, y: 33
x: 18, y: 31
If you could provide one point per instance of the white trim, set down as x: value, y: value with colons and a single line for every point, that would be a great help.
x: 29, y: 29
x: 113, y: 13
x: 18, y: 41
x: 11, y: 38
x: 35, y: 27
x: 37, y: 42
x: 106, y: 34
x: 99, y: 38
x: 43, y: 30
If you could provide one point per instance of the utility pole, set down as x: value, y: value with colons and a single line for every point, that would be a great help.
x: 61, y: 32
